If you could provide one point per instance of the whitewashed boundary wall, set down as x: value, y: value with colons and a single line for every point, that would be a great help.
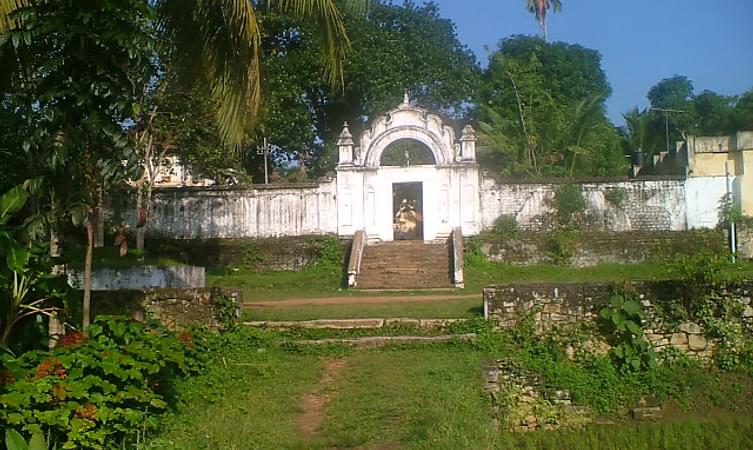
x: 668, y: 204
x: 663, y: 204
x: 277, y: 210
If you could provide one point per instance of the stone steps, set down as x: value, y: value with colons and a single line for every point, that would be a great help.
x: 354, y: 324
x: 406, y: 265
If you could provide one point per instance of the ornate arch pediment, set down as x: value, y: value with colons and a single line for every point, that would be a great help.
x: 408, y: 122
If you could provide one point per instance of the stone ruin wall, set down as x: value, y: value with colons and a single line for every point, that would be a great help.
x: 570, y: 303
x: 176, y: 309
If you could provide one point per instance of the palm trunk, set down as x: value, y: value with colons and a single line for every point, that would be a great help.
x: 99, y: 220
x: 140, y: 231
x: 88, y: 272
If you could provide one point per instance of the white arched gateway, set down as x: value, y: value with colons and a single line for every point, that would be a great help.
x: 408, y: 179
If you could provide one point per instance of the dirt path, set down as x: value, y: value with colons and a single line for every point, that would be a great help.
x: 313, y: 404
x: 375, y: 300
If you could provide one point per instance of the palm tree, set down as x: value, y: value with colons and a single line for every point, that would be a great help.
x: 218, y: 42
x: 540, y: 8
x: 637, y: 130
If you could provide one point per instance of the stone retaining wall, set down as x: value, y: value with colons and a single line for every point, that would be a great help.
x: 283, y: 253
x: 176, y: 309
x: 564, y: 303
x: 592, y: 248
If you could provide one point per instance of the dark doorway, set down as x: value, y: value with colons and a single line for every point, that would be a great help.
x: 407, y: 211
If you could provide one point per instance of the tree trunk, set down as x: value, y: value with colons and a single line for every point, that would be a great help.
x: 88, y: 272
x: 140, y: 231
x: 99, y: 220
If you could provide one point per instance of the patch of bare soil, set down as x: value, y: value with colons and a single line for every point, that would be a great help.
x: 313, y: 404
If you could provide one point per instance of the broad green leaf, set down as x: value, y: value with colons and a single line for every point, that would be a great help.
x: 617, y: 318
x: 12, y: 201
x: 633, y: 327
x: 632, y: 307
x: 14, y: 440
x: 616, y: 301
x: 17, y: 257
x: 37, y: 442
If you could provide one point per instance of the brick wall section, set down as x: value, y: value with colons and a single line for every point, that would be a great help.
x: 565, y: 303
x: 592, y: 248
x: 176, y: 309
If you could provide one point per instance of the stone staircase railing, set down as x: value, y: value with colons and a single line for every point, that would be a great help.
x: 356, y: 255
x: 456, y: 241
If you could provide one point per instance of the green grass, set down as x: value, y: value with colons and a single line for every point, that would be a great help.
x: 424, y: 397
x: 695, y: 434
x: 313, y: 282
x: 445, y: 309
x: 109, y: 257
x: 429, y: 397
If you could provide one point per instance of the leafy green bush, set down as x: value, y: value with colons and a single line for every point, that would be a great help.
x: 622, y: 319
x: 569, y: 203
x: 98, y: 389
x: 331, y: 252
x: 506, y: 225
x: 561, y: 246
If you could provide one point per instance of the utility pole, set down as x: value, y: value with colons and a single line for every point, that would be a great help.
x: 666, y: 112
x: 264, y: 150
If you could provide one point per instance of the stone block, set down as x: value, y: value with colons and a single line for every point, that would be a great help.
x: 697, y: 342
x: 647, y: 413
x: 678, y: 339
x: 691, y: 328
x: 402, y: 321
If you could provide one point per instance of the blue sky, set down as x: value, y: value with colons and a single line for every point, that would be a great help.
x: 640, y: 41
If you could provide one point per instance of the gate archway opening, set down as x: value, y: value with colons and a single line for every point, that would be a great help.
x: 407, y: 152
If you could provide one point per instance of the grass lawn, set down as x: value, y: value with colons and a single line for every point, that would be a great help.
x: 313, y: 282
x: 109, y: 257
x: 446, y: 309
x: 259, y: 394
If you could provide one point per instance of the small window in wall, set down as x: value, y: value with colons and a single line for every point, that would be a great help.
x: 407, y: 152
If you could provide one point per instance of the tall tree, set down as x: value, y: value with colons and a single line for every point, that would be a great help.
x: 540, y: 9
x: 217, y: 42
x: 546, y: 101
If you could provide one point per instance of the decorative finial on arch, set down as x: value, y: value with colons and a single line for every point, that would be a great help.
x: 345, y: 137
x: 406, y: 98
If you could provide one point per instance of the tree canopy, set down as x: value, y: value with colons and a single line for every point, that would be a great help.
x: 541, y: 111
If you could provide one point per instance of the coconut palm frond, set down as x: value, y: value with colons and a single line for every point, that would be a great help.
x: 217, y: 42
x: 7, y: 7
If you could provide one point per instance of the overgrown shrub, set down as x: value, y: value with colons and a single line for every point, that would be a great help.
x: 561, y: 246
x: 506, y: 225
x: 621, y: 320
x: 331, y: 252
x: 99, y: 389
x: 569, y: 203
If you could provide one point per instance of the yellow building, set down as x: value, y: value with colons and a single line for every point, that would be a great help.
x: 716, y: 156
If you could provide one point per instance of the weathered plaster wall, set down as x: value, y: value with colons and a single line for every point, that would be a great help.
x: 144, y: 277
x: 278, y: 210
x: 647, y: 204
x: 666, y: 204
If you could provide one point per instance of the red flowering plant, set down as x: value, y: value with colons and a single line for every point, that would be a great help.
x: 107, y: 385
